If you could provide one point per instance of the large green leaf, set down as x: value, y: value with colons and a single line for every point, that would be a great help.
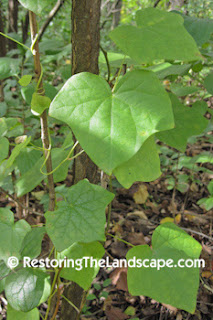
x: 144, y: 166
x: 181, y: 283
x: 188, y: 122
x: 18, y: 315
x: 11, y: 235
x: 24, y: 288
x: 158, y: 35
x: 36, y: 6
x: 111, y: 127
x: 81, y: 218
x: 200, y: 29
x: 31, y: 245
x: 4, y: 148
x: 82, y: 274
x: 8, y: 67
x: 6, y: 216
x: 27, y: 159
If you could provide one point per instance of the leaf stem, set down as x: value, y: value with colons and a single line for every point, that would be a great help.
x: 110, y: 205
x: 126, y: 242
x: 72, y: 304
x: 21, y: 44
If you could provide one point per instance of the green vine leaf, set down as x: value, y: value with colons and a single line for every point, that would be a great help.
x: 81, y: 218
x: 112, y: 127
x: 24, y: 288
x: 168, y: 242
x: 144, y: 166
x: 11, y: 235
x: 18, y: 315
x: 37, y: 6
x: 39, y: 103
x: 8, y: 67
x: 25, y: 80
x: 4, y: 148
x: 158, y: 35
x: 83, y: 277
x: 188, y: 122
x: 31, y: 245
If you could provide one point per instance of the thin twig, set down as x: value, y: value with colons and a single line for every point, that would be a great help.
x: 50, y: 17
x: 107, y: 62
x: 156, y: 3
x: 198, y: 233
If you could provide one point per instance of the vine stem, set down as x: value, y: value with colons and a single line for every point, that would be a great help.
x: 43, y: 118
x: 110, y: 205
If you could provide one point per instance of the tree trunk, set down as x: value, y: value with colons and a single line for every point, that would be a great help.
x: 13, y: 21
x: 85, y: 52
x: 2, y: 39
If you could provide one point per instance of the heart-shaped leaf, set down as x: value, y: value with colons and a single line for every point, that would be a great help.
x: 111, y: 127
x: 18, y: 315
x: 181, y: 283
x: 81, y: 218
x: 82, y: 274
x: 143, y: 166
x: 36, y: 6
x: 31, y: 245
x: 188, y: 122
x: 158, y: 35
x: 24, y: 288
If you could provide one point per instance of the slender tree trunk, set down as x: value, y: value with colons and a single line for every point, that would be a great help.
x: 13, y: 20
x: 116, y: 14
x: 85, y: 52
x: 25, y: 27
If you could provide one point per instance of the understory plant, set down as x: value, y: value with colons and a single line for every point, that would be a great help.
x: 117, y: 124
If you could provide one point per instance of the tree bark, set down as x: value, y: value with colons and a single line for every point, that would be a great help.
x: 85, y: 52
x: 13, y: 21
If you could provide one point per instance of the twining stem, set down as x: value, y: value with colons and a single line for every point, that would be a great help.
x: 110, y: 205
x: 43, y: 118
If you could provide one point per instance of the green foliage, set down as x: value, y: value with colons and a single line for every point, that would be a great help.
x: 162, y: 28
x: 36, y: 6
x: 31, y: 245
x: 81, y: 274
x: 112, y: 126
x: 168, y: 242
x: 208, y: 83
x: 81, y: 218
x: 143, y: 166
x: 4, y: 148
x: 188, y: 122
x: 8, y: 67
x: 39, y: 103
x: 19, y: 315
x: 117, y: 128
x: 11, y: 235
x: 25, y: 80
x: 24, y: 289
